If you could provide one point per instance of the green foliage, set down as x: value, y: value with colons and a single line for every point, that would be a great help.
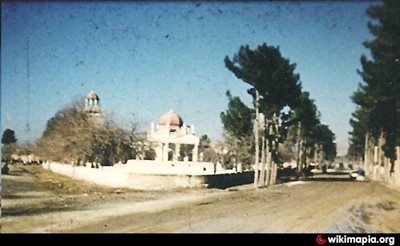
x: 312, y: 132
x: 306, y: 112
x: 268, y: 72
x: 8, y: 137
x: 272, y: 76
x: 378, y: 96
x: 324, y: 137
x: 238, y: 131
x: 9, y: 145
x: 357, y: 136
x: 278, y: 85
x: 237, y: 118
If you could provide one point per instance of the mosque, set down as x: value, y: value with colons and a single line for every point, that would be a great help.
x: 177, y: 161
x: 166, y: 137
x: 172, y: 140
x: 169, y: 135
x: 92, y: 107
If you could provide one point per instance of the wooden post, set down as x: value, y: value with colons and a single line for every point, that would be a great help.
x: 366, y: 166
x: 375, y: 161
x: 386, y: 170
x: 263, y: 150
x: 257, y: 150
x: 274, y: 173
x: 269, y: 158
x: 321, y: 154
x: 378, y: 157
x: 303, y: 155
x: 381, y: 156
x: 268, y: 168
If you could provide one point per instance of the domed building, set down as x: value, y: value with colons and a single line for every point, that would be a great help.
x: 92, y: 107
x: 169, y: 134
x: 172, y: 119
x: 92, y: 103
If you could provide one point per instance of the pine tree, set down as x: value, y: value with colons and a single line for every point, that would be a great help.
x: 8, y: 137
x: 274, y: 86
x: 378, y: 96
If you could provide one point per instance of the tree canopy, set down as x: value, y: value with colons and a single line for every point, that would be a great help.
x: 238, y: 129
x: 75, y: 135
x: 8, y: 137
x: 378, y: 97
x: 267, y: 71
x: 274, y: 86
x: 237, y: 118
x: 9, y: 147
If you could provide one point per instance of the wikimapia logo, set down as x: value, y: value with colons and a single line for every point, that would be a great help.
x: 320, y: 240
x: 368, y: 239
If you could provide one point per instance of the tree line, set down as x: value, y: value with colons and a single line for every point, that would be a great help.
x: 284, y: 119
x: 284, y: 123
x: 283, y: 115
x: 376, y: 120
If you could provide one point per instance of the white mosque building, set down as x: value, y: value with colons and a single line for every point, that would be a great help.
x: 169, y: 135
x: 176, y: 162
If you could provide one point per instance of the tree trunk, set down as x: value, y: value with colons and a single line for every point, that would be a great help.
x: 381, y: 142
x: 263, y: 153
x: 367, y: 155
x: 256, y: 159
x: 269, y: 158
x: 396, y: 167
x: 272, y: 167
x: 274, y: 147
x: 273, y: 174
x: 386, y: 164
x: 299, y: 148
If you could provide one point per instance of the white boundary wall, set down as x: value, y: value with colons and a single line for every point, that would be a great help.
x: 143, y: 175
x: 383, y: 174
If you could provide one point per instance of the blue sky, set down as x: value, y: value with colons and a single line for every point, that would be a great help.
x: 146, y: 58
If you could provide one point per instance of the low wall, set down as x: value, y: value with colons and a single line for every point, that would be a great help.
x: 172, y: 167
x: 124, y: 176
x: 223, y: 181
x: 383, y: 173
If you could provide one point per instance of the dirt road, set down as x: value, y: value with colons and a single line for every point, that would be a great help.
x: 36, y: 200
